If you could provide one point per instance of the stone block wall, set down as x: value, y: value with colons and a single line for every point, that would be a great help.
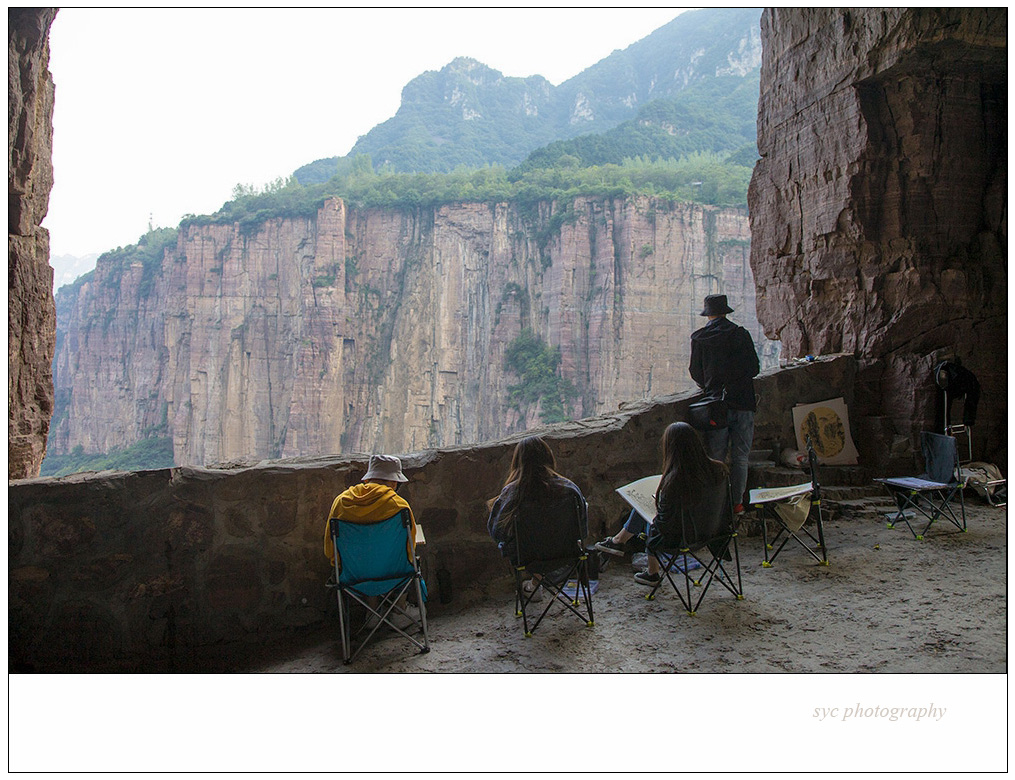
x: 173, y: 569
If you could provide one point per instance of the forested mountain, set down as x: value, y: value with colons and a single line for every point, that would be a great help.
x: 703, y: 66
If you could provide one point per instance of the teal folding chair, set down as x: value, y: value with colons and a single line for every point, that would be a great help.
x: 373, y: 568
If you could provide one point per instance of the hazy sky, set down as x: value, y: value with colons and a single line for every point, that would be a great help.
x: 160, y: 112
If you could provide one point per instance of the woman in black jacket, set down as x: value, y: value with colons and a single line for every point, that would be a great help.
x: 690, y: 494
x: 534, y: 487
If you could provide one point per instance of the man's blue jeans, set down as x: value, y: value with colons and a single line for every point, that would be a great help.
x: 735, y: 438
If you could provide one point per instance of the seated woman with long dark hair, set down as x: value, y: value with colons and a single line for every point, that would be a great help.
x: 691, y: 491
x: 534, y: 487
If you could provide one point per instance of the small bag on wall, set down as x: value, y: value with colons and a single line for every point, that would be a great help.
x: 708, y: 415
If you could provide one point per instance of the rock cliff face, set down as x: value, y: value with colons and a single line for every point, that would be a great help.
x: 31, y: 323
x: 879, y: 207
x: 386, y: 331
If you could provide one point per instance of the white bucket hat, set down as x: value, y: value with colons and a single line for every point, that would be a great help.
x: 385, y: 467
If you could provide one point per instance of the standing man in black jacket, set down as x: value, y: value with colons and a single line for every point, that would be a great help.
x: 724, y: 360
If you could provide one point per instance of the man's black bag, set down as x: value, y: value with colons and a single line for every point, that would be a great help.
x: 708, y: 415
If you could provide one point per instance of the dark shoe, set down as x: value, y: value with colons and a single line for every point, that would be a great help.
x: 645, y: 578
x: 610, y: 547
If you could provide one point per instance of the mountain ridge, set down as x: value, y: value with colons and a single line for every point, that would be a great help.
x: 453, y: 117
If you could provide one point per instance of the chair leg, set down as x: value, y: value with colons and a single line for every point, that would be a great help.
x: 821, y: 532
x: 421, y: 605
x: 766, y: 514
x: 940, y: 506
x: 343, y: 625
x: 583, y: 583
x: 763, y: 513
x: 521, y: 601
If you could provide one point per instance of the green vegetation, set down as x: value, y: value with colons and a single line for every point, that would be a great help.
x: 701, y: 177
x: 251, y: 207
x: 151, y: 453
x: 149, y: 251
x: 537, y: 365
x: 327, y: 279
x: 717, y: 116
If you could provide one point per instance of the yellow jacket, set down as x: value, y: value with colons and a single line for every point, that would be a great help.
x: 366, y: 503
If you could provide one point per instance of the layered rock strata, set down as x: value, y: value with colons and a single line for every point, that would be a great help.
x: 879, y: 207
x: 376, y: 330
x: 31, y: 318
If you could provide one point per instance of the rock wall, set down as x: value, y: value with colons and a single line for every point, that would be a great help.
x: 375, y: 330
x: 197, y: 569
x: 879, y: 207
x: 31, y: 317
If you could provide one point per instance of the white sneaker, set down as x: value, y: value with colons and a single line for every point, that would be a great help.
x: 532, y: 587
x: 406, y: 621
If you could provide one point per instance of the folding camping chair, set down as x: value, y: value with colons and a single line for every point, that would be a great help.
x: 933, y: 493
x: 554, y: 550
x: 373, y: 563
x: 789, y: 509
x: 707, y: 558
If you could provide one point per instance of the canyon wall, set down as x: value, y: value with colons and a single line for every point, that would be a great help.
x: 383, y: 330
x: 879, y: 208
x: 31, y: 316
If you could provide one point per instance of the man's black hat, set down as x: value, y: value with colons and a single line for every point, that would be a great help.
x: 715, y: 305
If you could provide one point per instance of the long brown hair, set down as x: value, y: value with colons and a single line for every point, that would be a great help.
x: 532, y: 468
x: 687, y: 468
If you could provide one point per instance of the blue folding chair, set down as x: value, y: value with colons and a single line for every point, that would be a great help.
x: 374, y: 568
x: 933, y: 494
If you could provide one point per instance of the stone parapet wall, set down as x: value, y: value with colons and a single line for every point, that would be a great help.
x: 162, y: 570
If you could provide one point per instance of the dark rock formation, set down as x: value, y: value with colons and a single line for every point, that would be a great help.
x: 879, y: 207
x: 31, y: 322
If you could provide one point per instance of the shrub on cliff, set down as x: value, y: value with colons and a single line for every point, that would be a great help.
x: 151, y: 453
x: 537, y: 365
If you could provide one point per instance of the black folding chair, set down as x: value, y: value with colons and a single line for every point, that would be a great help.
x: 709, y: 559
x: 548, y: 543
x: 768, y: 511
x: 373, y: 568
x: 933, y: 494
